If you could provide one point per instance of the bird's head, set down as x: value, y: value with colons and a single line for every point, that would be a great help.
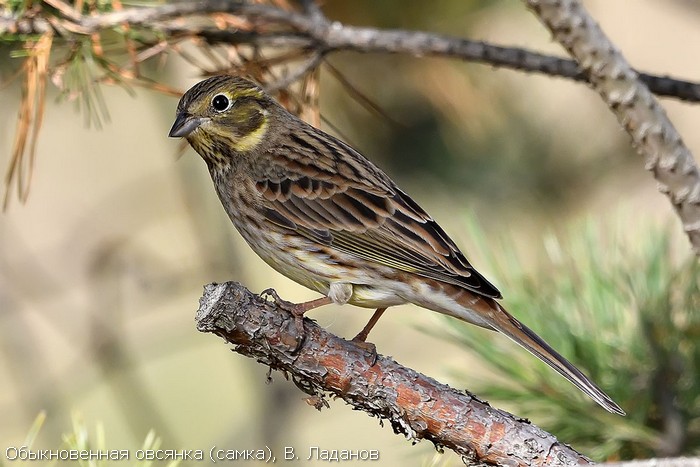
x: 223, y: 116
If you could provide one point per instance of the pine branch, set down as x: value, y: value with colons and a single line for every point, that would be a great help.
x: 310, y: 33
x: 415, y: 405
x: 310, y: 29
x: 635, y: 107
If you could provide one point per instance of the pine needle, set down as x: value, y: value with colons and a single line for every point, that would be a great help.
x: 31, y: 115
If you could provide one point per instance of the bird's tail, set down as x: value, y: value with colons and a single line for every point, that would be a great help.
x: 500, y: 320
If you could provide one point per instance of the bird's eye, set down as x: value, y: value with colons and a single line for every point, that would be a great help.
x: 220, y: 103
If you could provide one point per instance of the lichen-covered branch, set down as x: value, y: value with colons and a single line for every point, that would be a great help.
x: 414, y: 404
x: 635, y: 107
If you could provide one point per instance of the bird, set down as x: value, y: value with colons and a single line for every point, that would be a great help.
x: 317, y: 211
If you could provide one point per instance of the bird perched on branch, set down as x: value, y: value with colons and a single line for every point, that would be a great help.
x: 320, y: 213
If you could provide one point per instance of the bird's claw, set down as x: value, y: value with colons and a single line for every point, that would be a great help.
x: 277, y: 300
x: 301, y: 333
x: 292, y: 309
x: 369, y: 348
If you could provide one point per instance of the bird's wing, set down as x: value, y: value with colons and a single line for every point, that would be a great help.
x: 324, y: 190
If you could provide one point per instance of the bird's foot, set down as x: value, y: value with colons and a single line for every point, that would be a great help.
x: 369, y: 348
x: 293, y: 309
x: 277, y: 300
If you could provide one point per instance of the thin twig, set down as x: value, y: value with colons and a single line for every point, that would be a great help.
x: 311, y: 30
x: 299, y: 72
x: 371, y: 106
x: 671, y: 162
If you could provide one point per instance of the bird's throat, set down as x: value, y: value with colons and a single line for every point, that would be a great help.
x: 252, y: 139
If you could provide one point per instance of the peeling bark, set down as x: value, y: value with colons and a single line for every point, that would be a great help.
x: 415, y: 405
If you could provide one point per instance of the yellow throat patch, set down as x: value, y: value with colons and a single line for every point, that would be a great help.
x: 252, y: 139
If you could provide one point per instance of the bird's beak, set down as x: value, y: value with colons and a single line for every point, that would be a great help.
x: 184, y: 125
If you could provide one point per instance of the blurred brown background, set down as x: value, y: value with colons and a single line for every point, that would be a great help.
x: 101, y: 270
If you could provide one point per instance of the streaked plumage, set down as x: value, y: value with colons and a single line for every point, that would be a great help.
x: 322, y: 214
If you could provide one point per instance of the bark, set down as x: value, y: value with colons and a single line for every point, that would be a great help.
x: 309, y: 32
x: 635, y: 107
x: 415, y: 405
x: 272, y: 26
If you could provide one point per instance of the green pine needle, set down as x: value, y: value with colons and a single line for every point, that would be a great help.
x: 627, y: 314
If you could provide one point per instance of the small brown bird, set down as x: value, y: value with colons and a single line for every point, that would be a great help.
x: 323, y: 215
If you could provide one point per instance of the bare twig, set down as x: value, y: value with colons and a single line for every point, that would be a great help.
x: 653, y: 134
x: 308, y: 66
x: 309, y: 33
x: 360, y: 97
x: 415, y: 405
x: 311, y: 29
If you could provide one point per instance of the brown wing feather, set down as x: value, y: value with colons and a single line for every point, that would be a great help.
x: 332, y: 194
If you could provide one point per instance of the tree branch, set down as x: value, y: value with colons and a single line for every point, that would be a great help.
x: 312, y: 30
x: 653, y: 134
x: 415, y: 405
x: 310, y: 33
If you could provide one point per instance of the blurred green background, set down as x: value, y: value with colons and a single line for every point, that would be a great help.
x: 101, y: 270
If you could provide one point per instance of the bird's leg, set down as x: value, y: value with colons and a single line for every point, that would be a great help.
x: 362, y: 335
x: 297, y: 310
x: 279, y: 301
x: 360, y: 338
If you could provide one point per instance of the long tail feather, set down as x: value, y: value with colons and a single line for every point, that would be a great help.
x: 502, y: 321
